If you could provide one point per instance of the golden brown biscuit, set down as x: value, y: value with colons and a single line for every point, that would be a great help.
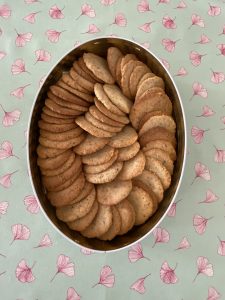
x: 114, y: 229
x: 128, y: 152
x: 135, y: 77
x: 52, y: 105
x: 124, y: 138
x: 163, y: 121
x: 54, y: 114
x: 56, y: 120
x: 82, y: 73
x: 99, y: 157
x: 62, y: 93
x: 103, y: 118
x: 127, y: 58
x: 113, y: 55
x: 66, y: 144
x: 127, y: 215
x: 154, y: 91
x: 163, y: 145
x: 63, y: 136
x: 45, y: 152
x: 101, y: 125
x: 73, y: 90
x: 163, y: 156
x: 81, y: 81
x: 149, y: 115
x: 84, y: 193
x: 148, y: 84
x: 86, y: 70
x: 90, y: 144
x: 71, y: 105
x: 94, y: 169
x: 53, y: 162
x: 157, y: 133
x: 118, y: 71
x: 55, y: 127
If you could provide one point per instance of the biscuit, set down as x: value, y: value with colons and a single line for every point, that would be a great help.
x: 67, y: 195
x: 157, y: 133
x: 55, y: 127
x: 63, y: 93
x: 121, y: 119
x: 117, y: 98
x: 113, y: 192
x: 93, y: 130
x: 149, y: 115
x: 124, y: 138
x: 163, y: 121
x: 82, y: 73
x: 94, y: 169
x: 77, y: 210
x: 127, y: 58
x: 154, y: 165
x: 81, y: 81
x: 46, y: 152
x: 98, y: 66
x: 54, y: 114
x: 148, y: 84
x: 53, y: 162
x: 163, y: 156
x: 62, y: 144
x: 154, y: 91
x: 118, y: 71
x: 67, y: 104
x: 133, y: 167
x: 114, y: 229
x: 101, y: 125
x: 64, y: 136
x: 105, y: 176
x: 82, y: 223
x: 103, y: 118
x: 127, y: 215
x: 163, y: 145
x: 129, y: 152
x: 113, y: 55
x: 99, y: 157
x: 143, y: 204
x: 90, y: 145
x: 63, y: 110
x: 56, y: 120
x: 138, y: 72
x: 146, y: 76
x: 84, y: 193
x: 83, y: 66
x: 104, y: 99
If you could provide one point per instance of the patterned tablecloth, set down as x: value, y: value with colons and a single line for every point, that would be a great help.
x: 185, y: 257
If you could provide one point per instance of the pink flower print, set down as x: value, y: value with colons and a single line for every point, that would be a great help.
x: 196, y: 58
x: 5, y: 11
x: 72, y: 294
x: 164, y: 1
x: 87, y: 10
x: 18, y: 67
x: 161, y: 235
x: 86, y: 251
x: 31, y: 204
x: 19, y: 92
x: 65, y: 266
x: 197, y: 21
x: 173, y: 209
x: 139, y: 285
x: 204, y: 267
x: 167, y: 274
x: 20, y: 232
x: 23, y: 38
x: 169, y: 45
x: 31, y: 18
x: 6, y: 150
x: 24, y: 272
x: 217, y: 77
x: 120, y: 20
x: 2, y: 55
x: 107, y: 278
x: 214, y: 10
x: 223, y: 31
x: 56, y: 13
x: 219, y: 156
x: 107, y: 2
x: 203, y: 40
x: 165, y: 63
x: 207, y: 111
x: 5, y: 180
x: 221, y: 247
x: 92, y: 29
x: 201, y: 171
x: 3, y: 207
x: 213, y: 294
x: 181, y: 72
x: 181, y: 5
x: 198, y: 134
x: 200, y: 223
x: 53, y: 35
x: 146, y: 45
x: 45, y: 242
x: 10, y: 117
x: 136, y: 253
x: 42, y: 55
x: 169, y: 23
x: 143, y: 6
x: 77, y: 44
x: 221, y: 47
x: 146, y: 27
x: 210, y: 197
x: 184, y: 244
x: 31, y: 1
x: 199, y: 90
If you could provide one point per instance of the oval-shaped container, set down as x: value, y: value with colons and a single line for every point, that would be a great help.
x: 100, y: 46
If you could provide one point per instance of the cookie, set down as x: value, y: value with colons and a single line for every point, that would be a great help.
x: 127, y: 215
x: 148, y: 84
x: 53, y: 162
x: 118, y: 71
x: 113, y: 192
x: 100, y: 125
x: 148, y: 115
x: 62, y: 110
x: 63, y: 93
x: 78, y: 210
x: 124, y: 138
x: 62, y: 144
x: 100, y: 224
x: 82, y: 223
x: 114, y: 229
x: 99, y: 157
x: 67, y: 104
x: 163, y: 145
x: 93, y: 130
x: 117, y: 98
x: 113, y: 55
x: 63, y: 136
x: 56, y: 120
x: 57, y: 128
x: 146, y: 76
x: 82, y: 73
x: 127, y: 58
x: 138, y: 72
x: 86, y: 70
x: 73, y: 90
x: 154, y: 91
x: 154, y: 165
x: 98, y: 66
x: 105, y: 176
x: 81, y: 81
x: 55, y: 114
x: 133, y: 167
x: 157, y: 133
x: 128, y: 152
x: 163, y: 156
x: 46, y: 152
x: 84, y: 193
x: 67, y: 195
x: 94, y: 169
x: 90, y: 144
x: 143, y: 204
x: 103, y: 118
x: 163, y: 121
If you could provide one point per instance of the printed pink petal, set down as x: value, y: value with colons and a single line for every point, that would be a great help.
x: 203, y: 40
x: 53, y: 35
x: 181, y: 5
x: 10, y: 118
x: 165, y: 63
x: 221, y: 47
x: 214, y: 10
x: 146, y: 27
x: 5, y: 180
x: 204, y: 267
x: 201, y: 171
x: 86, y: 251
x: 92, y: 29
x: 107, y: 278
x: 217, y: 77
x: 87, y: 10
x: 198, y: 134
x: 31, y: 204
x: 65, y: 266
x: 146, y: 45
x: 143, y: 6
x: 24, y: 272
x: 23, y: 38
x: 195, y: 58
x: 169, y: 45
x: 200, y: 223
x: 20, y: 232
x: 219, y: 156
x: 221, y: 247
x: 45, y: 242
x: 210, y: 197
x: 139, y: 285
x: 6, y: 150
x: 167, y: 274
x: 199, y: 90
x: 19, y: 92
x: 72, y: 294
x: 3, y: 207
x: 197, y: 20
x: 5, y: 11
x: 56, y: 13
x: 136, y: 253
x: 213, y: 294
x: 169, y: 23
x: 161, y: 236
x: 107, y: 2
x: 77, y: 43
x: 184, y: 244
x: 31, y: 1
x: 181, y: 72
x: 31, y: 18
x: 2, y: 55
x: 18, y: 67
x: 206, y: 111
x: 42, y: 55
x: 164, y: 1
x: 173, y: 209
x: 120, y: 20
x: 223, y: 31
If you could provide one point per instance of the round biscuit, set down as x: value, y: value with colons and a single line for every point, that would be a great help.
x: 83, y: 194
x: 163, y: 145
x: 82, y: 73
x: 63, y: 110
x: 69, y: 105
x: 94, y: 169
x: 118, y: 71
x: 157, y: 133
x: 103, y: 118
x: 45, y: 152
x: 62, y: 144
x: 127, y: 215
x: 56, y: 127
x: 163, y: 156
x: 55, y: 120
x: 148, y: 115
x: 163, y: 121
x: 128, y: 152
x: 86, y: 70
x: 99, y: 157
x: 114, y: 229
x: 138, y: 72
x: 55, y: 114
x: 124, y: 138
x: 62, y: 93
x: 90, y: 145
x: 148, y: 84
x: 53, y: 162
x: 63, y: 136
x: 90, y: 118
x: 113, y: 55
x: 81, y: 81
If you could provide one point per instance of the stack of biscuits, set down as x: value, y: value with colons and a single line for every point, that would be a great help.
x: 107, y: 144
